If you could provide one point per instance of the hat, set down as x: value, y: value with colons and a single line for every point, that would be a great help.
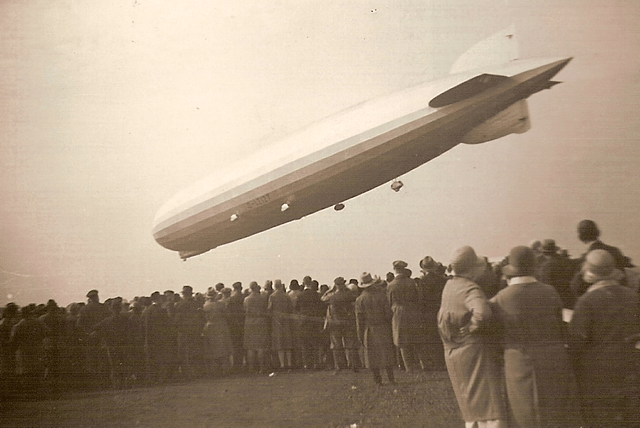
x: 465, y: 260
x: 92, y: 293
x: 187, y: 290
x: 599, y: 265
x: 549, y: 246
x: 588, y: 231
x: 428, y: 263
x: 399, y: 265
x: 339, y: 281
x: 226, y: 290
x: 211, y: 294
x: 522, y: 262
x: 366, y: 280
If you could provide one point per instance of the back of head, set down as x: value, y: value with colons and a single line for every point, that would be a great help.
x: 588, y: 231
x: 599, y: 265
x: 522, y: 262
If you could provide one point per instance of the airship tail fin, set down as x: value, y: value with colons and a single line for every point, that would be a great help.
x: 499, y: 48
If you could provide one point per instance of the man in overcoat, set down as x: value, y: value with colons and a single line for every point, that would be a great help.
x: 539, y: 380
x: 604, y: 330
x: 408, y: 329
x: 373, y: 320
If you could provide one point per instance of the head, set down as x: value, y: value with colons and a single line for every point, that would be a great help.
x: 268, y: 285
x: 549, y: 247
x: 92, y: 296
x: 588, y: 231
x: 218, y: 287
x: 187, y: 291
x: 340, y: 283
x: 465, y: 262
x: 599, y: 265
x: 522, y: 262
x: 237, y: 286
x: 294, y: 285
x: 278, y: 285
x: 211, y: 294
x: 390, y: 276
x: 367, y: 280
x: 226, y: 292
x: 428, y: 264
x: 254, y: 287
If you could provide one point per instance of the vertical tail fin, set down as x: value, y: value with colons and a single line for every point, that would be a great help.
x: 499, y: 48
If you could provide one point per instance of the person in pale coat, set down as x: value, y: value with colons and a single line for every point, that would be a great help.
x: 281, y: 308
x: 539, y: 380
x: 470, y: 354
x: 217, y: 338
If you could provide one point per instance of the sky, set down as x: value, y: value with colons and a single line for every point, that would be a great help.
x: 108, y: 108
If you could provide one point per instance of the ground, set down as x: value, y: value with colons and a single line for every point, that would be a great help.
x: 279, y: 399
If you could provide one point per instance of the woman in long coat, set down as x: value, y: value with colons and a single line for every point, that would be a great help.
x: 471, y: 358
x: 373, y: 322
x: 256, y: 327
x: 217, y: 339
x: 281, y: 307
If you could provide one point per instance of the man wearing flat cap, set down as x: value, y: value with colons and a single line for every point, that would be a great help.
x: 603, y: 330
x: 408, y: 329
x: 539, y: 380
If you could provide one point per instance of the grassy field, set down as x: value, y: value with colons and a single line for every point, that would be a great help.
x: 296, y: 399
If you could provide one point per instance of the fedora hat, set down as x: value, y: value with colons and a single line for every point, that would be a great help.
x: 366, y: 280
x: 522, y: 262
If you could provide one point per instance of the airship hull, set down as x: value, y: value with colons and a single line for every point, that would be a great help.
x: 351, y: 153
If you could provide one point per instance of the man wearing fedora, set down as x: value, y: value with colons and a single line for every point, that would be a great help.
x: 539, y: 379
x: 604, y: 329
x: 469, y: 347
x: 373, y: 321
x: 408, y: 329
x: 557, y: 270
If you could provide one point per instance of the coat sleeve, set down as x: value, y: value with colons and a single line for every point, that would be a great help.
x: 479, y: 308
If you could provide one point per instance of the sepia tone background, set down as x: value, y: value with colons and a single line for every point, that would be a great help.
x: 108, y: 108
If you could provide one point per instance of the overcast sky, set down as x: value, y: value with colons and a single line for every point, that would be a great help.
x: 108, y: 108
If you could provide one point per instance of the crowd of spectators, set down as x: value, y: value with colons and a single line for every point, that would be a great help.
x: 348, y: 325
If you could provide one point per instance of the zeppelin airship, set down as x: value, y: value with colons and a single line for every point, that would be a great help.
x: 363, y: 147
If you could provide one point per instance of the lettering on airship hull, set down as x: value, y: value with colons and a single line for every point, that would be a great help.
x: 259, y: 201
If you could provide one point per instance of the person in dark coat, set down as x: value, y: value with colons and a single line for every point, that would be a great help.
x: 311, y: 310
x: 470, y: 352
x: 10, y: 317
x: 235, y: 311
x: 556, y: 270
x: 340, y: 322
x: 604, y: 329
x: 95, y: 361
x: 408, y: 330
x: 160, y: 340
x: 373, y: 323
x: 117, y: 333
x: 589, y: 234
x: 430, y: 286
x: 55, y: 321
x: 189, y: 320
x: 540, y: 385
x: 27, y: 338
